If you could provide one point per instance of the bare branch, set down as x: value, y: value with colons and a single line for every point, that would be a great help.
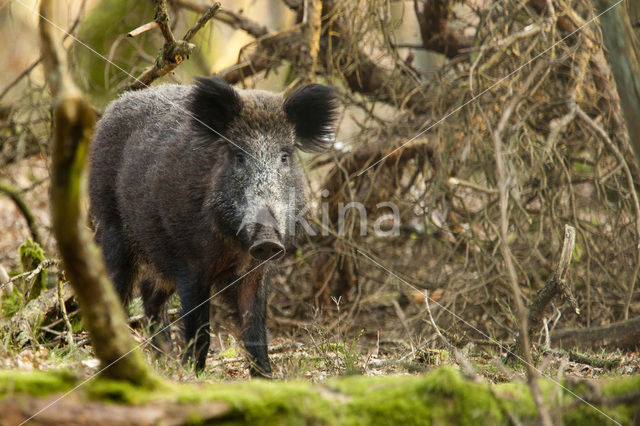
x: 312, y: 21
x: 174, y: 51
x: 503, y: 187
x: 556, y: 285
x: 634, y: 195
x: 228, y: 17
x: 202, y: 20
x: 30, y: 275
x: 464, y: 363
x: 162, y: 19
x: 17, y: 198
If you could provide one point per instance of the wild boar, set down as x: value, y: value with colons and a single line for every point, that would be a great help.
x: 196, y: 189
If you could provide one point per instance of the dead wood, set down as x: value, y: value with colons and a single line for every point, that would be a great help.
x: 174, y: 51
x: 230, y: 18
x: 73, y: 411
x: 555, y: 286
x: 620, y: 335
x: 23, y: 325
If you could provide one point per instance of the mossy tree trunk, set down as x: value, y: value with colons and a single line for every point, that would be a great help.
x: 73, y: 122
x: 624, y: 60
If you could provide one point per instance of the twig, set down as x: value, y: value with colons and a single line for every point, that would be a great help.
x: 37, y: 61
x: 632, y: 189
x: 464, y: 363
x: 452, y: 181
x: 29, y: 275
x: 162, y: 19
x: 15, y: 195
x: 143, y: 28
x: 228, y: 17
x: 557, y: 284
x: 312, y: 20
x: 502, y: 180
x: 271, y: 49
x: 65, y: 316
x: 206, y: 16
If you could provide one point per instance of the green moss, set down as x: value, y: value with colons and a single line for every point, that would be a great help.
x: 583, y: 168
x: 103, y: 389
x: 37, y: 383
x: 264, y: 403
x: 32, y: 255
x: 585, y: 414
x: 12, y: 302
x: 440, y: 397
x: 230, y: 352
x: 516, y: 398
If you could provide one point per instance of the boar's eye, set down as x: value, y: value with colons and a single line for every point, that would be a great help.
x: 284, y: 158
x: 240, y: 160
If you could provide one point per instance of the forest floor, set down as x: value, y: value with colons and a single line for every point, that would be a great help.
x: 318, y: 344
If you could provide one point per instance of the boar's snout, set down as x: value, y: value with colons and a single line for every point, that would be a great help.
x: 266, y: 244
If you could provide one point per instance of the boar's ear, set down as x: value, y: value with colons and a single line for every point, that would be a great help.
x: 213, y: 103
x: 313, y: 110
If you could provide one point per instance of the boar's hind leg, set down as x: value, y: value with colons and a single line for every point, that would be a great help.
x: 252, y: 309
x: 118, y: 258
x: 154, y: 299
x: 195, y: 317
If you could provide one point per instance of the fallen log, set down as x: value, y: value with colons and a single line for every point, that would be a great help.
x: 620, y: 335
x: 443, y: 396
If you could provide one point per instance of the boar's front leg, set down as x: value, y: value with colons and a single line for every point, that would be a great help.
x: 252, y: 309
x: 194, y: 296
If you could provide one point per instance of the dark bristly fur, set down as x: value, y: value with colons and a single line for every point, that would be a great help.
x: 213, y: 105
x: 313, y: 110
x: 187, y: 210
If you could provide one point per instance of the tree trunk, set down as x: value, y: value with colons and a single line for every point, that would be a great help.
x: 624, y: 60
x: 73, y: 122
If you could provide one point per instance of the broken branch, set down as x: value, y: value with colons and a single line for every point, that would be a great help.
x: 174, y: 51
x: 143, y: 28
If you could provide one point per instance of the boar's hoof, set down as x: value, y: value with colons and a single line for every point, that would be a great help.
x: 266, y: 249
x: 263, y: 373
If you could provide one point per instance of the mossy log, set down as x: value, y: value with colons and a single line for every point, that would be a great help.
x: 440, y: 397
x: 23, y: 325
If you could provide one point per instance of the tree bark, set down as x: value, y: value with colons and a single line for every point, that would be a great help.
x: 73, y: 122
x: 624, y: 60
x: 621, y: 335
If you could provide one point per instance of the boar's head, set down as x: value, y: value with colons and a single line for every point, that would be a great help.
x: 257, y: 186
